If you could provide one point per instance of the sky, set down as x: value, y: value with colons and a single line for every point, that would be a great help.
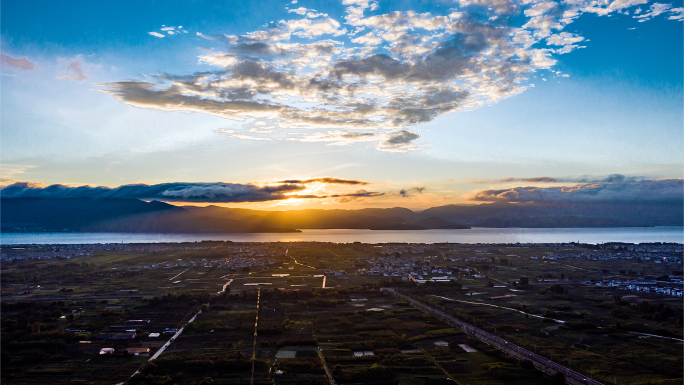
x: 342, y: 104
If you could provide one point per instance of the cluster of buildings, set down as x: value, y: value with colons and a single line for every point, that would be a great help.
x: 232, y: 262
x: 471, y: 259
x: 408, y: 268
x: 392, y: 250
x: 238, y: 262
x: 654, y: 255
x: 252, y: 251
x: 644, y: 286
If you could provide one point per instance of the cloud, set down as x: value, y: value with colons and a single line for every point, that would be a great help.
x: 10, y: 171
x: 301, y: 11
x: 603, y: 8
x: 543, y: 179
x: 669, y: 190
x: 325, y: 180
x: 677, y: 14
x: 406, y: 69
x: 335, y: 138
x: 367, y: 39
x: 221, y: 59
x: 357, y: 194
x: 22, y: 63
x: 168, y: 31
x: 658, y: 9
x: 235, y: 134
x: 613, y: 178
x: 309, y: 28
x: 178, y: 192
x: 404, y: 193
x: 564, y: 38
x: 399, y: 141
x: 76, y: 72
x: 505, y: 7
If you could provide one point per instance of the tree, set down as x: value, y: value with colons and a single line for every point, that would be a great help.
x: 524, y: 281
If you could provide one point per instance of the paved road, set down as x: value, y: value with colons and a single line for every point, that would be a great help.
x: 166, y: 345
x: 500, y: 307
x: 544, y: 364
x: 225, y: 286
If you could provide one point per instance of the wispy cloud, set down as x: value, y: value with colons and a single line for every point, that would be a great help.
x: 658, y: 9
x: 342, y: 86
x: 23, y: 63
x: 10, y: 172
x: 398, y: 141
x: 168, y: 31
x: 235, y: 134
x: 325, y: 180
x: 74, y: 68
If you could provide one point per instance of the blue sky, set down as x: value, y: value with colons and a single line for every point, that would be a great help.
x: 396, y: 94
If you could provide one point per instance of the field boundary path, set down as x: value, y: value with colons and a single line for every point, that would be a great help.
x: 256, y: 323
x: 325, y: 366
x: 544, y: 364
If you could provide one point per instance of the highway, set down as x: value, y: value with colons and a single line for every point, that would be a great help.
x: 542, y: 363
x: 500, y: 307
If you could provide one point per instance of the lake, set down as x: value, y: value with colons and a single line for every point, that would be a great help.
x: 475, y: 235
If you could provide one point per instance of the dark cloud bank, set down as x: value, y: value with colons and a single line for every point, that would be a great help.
x: 618, y: 201
x: 618, y: 190
x: 184, y: 192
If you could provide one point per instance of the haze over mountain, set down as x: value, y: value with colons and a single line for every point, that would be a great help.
x: 133, y: 215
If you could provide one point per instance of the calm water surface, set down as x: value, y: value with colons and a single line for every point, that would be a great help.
x: 475, y: 235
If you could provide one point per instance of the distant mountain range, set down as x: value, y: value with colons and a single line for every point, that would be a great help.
x: 132, y: 215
